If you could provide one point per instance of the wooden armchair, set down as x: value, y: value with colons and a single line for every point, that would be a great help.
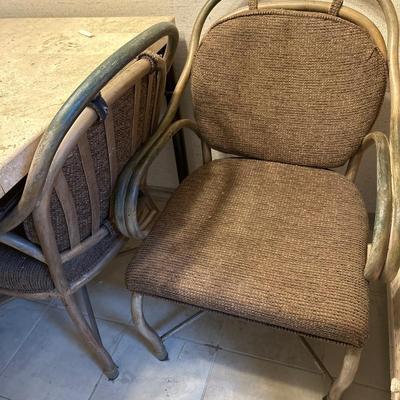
x: 275, y: 236
x: 65, y: 207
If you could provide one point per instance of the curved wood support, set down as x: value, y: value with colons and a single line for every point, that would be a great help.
x: 128, y: 186
x: 151, y: 337
x: 347, y: 374
x: 383, y: 213
x: 393, y: 257
x: 91, y: 337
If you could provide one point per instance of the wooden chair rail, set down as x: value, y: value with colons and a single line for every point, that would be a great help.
x: 375, y: 267
x: 126, y: 204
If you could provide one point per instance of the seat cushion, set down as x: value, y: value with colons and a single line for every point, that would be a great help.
x: 279, y: 244
x: 21, y: 273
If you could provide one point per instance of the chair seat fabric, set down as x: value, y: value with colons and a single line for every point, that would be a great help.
x: 275, y: 243
x: 22, y: 273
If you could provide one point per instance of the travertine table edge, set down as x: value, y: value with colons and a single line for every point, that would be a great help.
x: 43, y: 61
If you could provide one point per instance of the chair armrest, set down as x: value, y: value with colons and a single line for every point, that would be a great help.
x: 376, y: 265
x: 128, y: 184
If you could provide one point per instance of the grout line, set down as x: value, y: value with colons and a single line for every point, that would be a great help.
x: 315, y: 372
x: 128, y: 324
x: 210, y: 371
x: 104, y: 319
x: 256, y: 357
x: 371, y: 387
x: 35, y: 324
x: 181, y: 350
x: 5, y: 299
x: 296, y: 367
x: 95, y: 386
x: 118, y: 341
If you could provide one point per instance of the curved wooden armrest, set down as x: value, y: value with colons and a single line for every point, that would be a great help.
x: 73, y: 107
x: 129, y: 181
x: 377, y: 255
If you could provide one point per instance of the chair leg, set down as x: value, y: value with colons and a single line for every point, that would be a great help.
x: 106, y: 362
x: 89, y: 310
x: 347, y: 374
x: 150, y: 336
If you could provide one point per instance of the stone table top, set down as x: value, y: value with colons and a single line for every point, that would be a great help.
x: 43, y: 60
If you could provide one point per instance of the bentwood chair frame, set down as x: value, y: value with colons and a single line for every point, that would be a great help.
x: 88, y: 104
x: 383, y: 255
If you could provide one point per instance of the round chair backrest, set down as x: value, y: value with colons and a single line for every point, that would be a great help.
x: 288, y: 86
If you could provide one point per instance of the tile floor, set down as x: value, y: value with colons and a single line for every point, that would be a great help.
x: 215, y: 358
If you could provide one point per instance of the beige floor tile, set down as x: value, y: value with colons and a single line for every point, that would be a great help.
x: 206, y: 330
x: 109, y: 296
x: 53, y: 363
x: 360, y: 392
x: 162, y: 315
x: 143, y: 377
x: 17, y: 318
x: 265, y: 342
x: 238, y: 377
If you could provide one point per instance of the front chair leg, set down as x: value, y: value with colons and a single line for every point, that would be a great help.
x: 91, y: 338
x: 347, y: 374
x: 150, y: 336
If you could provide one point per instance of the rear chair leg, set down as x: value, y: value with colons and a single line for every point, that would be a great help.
x: 91, y: 337
x: 347, y: 374
x: 151, y: 337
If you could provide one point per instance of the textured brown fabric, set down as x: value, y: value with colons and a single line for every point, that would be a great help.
x: 123, y: 110
x: 275, y: 243
x: 20, y: 272
x: 287, y: 86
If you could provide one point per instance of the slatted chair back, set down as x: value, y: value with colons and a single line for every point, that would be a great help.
x: 96, y: 148
x: 290, y: 86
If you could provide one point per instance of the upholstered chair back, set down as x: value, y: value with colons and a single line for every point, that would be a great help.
x: 81, y: 198
x: 288, y: 86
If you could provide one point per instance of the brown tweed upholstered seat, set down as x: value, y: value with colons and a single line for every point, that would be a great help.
x: 279, y: 244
